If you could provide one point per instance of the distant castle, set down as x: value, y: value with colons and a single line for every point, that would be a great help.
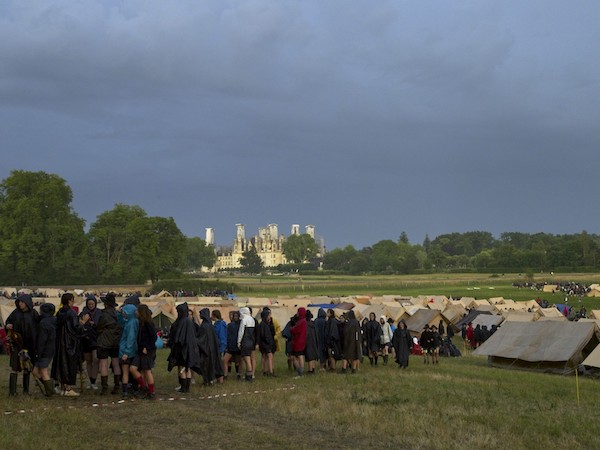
x: 268, y: 244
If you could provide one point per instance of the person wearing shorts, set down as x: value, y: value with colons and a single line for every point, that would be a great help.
x: 143, y: 363
x: 247, y: 341
x: 232, y: 351
x: 46, y: 344
x: 109, y: 335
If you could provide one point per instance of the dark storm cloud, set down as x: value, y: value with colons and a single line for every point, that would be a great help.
x: 365, y: 119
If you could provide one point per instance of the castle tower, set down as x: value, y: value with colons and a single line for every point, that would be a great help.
x: 241, y: 231
x: 273, y: 231
x: 310, y: 230
x: 210, y: 236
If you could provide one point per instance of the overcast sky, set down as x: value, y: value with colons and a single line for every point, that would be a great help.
x: 363, y: 118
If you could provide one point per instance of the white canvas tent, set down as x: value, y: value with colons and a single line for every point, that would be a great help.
x: 542, y: 346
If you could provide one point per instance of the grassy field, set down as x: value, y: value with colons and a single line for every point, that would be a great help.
x: 460, y: 403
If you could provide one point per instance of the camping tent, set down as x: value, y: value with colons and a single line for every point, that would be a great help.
x: 547, y: 346
x: 422, y: 317
x: 470, y: 317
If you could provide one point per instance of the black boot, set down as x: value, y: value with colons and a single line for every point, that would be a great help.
x: 12, y: 389
x: 26, y: 378
x: 385, y: 360
x: 376, y: 358
x: 185, y: 387
x: 117, y: 381
x: 104, y: 384
x: 48, y: 388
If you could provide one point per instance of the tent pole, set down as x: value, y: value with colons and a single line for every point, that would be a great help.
x: 577, y: 384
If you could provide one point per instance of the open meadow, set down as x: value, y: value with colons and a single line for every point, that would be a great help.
x: 460, y: 403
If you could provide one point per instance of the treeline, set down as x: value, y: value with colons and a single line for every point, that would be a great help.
x: 474, y: 251
x: 43, y: 241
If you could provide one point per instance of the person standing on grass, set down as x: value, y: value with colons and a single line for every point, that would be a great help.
x: 247, y: 341
x: 352, y: 343
x: 386, y: 339
x: 426, y: 342
x: 332, y: 339
x: 298, y: 332
x: 470, y: 333
x: 21, y: 326
x: 221, y: 330
x: 143, y: 363
x: 128, y: 344
x: 211, y: 365
x: 436, y: 342
x: 67, y: 354
x: 109, y: 336
x: 185, y: 354
x: 373, y: 337
x: 232, y: 352
x: 402, y: 342
x: 312, y: 353
x: 88, y: 341
x: 266, y: 342
x: 46, y: 345
x: 320, y: 324
x: 286, y: 334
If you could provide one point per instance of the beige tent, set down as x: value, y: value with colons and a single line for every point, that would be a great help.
x: 496, y: 300
x: 593, y: 359
x: 488, y: 320
x: 453, y: 313
x: 550, y: 288
x: 5, y: 310
x: 397, y: 313
x: 595, y: 314
x: 422, y: 317
x: 544, y: 346
x: 467, y: 302
x: 551, y: 314
x: 519, y: 316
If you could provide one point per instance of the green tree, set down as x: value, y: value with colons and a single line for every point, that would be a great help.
x: 109, y: 239
x: 339, y: 259
x: 299, y: 248
x: 251, y: 262
x: 199, y: 254
x: 157, y: 248
x: 42, y: 240
x: 403, y: 238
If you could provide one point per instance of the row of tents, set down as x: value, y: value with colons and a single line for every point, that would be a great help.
x: 528, y: 336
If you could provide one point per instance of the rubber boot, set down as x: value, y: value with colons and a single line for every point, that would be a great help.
x: 48, y: 388
x: 26, y: 378
x: 117, y: 381
x: 104, y: 384
x: 40, y: 384
x: 186, y: 385
x: 376, y: 359
x: 371, y: 360
x: 385, y: 360
x: 12, y: 388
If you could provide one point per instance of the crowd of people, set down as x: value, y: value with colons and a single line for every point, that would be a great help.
x: 55, y: 346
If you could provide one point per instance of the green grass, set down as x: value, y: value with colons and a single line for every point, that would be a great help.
x: 460, y: 403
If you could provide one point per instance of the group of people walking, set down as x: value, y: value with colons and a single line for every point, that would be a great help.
x: 124, y: 340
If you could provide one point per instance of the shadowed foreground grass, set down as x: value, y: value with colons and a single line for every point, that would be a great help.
x: 461, y: 403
